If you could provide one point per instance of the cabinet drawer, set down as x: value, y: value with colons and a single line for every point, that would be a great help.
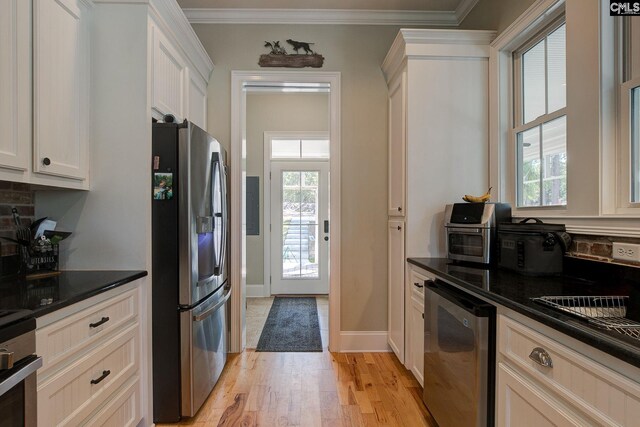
x: 74, y: 393
x: 606, y: 396
x: 123, y: 410
x: 83, y: 330
x: 416, y: 283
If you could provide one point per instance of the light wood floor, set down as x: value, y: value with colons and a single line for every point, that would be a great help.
x: 314, y: 389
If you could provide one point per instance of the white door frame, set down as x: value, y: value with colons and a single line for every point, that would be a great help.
x: 239, y: 79
x: 266, y: 191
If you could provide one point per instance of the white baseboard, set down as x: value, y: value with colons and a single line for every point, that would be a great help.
x: 255, y: 291
x: 363, y: 342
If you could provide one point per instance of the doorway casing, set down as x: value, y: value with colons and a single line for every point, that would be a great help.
x: 240, y: 80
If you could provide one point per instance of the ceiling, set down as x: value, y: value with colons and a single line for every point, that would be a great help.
x: 446, y: 13
x: 422, y: 5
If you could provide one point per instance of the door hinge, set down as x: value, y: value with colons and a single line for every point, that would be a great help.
x: 269, y: 175
x: 269, y: 279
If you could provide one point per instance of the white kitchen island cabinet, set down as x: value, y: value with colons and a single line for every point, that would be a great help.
x: 438, y: 145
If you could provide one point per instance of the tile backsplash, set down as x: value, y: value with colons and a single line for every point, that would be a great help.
x: 20, y: 196
x: 599, y: 248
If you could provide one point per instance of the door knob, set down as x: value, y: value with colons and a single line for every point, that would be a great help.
x: 46, y: 161
x: 326, y: 238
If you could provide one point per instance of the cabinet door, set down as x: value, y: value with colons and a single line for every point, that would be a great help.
x: 397, y: 145
x: 15, y: 83
x: 417, y: 336
x: 169, y: 78
x: 61, y: 87
x: 521, y: 404
x: 197, y: 101
x: 396, y: 288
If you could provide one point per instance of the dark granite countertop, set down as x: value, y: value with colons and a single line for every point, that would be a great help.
x: 45, y: 295
x: 515, y: 291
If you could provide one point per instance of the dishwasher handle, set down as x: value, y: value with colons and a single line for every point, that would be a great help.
x: 460, y: 298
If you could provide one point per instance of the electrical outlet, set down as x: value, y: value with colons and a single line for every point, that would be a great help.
x: 626, y: 251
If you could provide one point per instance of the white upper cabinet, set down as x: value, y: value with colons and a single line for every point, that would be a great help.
x: 15, y: 84
x: 179, y: 87
x: 397, y: 145
x: 169, y: 78
x: 197, y: 101
x: 61, y: 37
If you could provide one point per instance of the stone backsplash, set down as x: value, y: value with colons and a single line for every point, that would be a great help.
x: 599, y: 248
x: 20, y: 196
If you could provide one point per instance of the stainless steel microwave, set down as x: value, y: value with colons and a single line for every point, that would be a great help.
x: 471, y: 230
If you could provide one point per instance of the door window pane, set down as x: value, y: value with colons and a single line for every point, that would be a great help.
x: 315, y: 148
x: 299, y: 148
x: 300, y: 224
x: 285, y: 149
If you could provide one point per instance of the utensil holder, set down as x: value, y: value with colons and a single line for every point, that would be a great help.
x: 36, y: 258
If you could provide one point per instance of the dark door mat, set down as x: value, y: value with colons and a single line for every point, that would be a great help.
x: 292, y: 326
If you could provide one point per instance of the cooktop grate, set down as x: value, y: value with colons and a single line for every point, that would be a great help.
x: 607, y: 312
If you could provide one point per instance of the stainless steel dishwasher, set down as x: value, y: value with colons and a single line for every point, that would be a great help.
x: 459, y: 356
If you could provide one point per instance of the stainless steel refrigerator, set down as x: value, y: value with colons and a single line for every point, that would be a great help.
x: 190, y: 290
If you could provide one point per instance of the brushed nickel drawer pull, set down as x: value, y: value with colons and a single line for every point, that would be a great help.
x: 104, y: 375
x: 98, y: 323
x: 541, y: 357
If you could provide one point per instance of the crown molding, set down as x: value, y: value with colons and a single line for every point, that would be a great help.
x: 323, y: 16
x: 435, y: 43
x: 464, y: 8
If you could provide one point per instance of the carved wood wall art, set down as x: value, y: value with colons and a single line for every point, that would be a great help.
x: 278, y: 56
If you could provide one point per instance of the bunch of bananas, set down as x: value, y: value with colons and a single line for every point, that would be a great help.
x: 478, y: 199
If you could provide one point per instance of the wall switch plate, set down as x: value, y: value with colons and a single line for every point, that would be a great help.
x: 626, y: 251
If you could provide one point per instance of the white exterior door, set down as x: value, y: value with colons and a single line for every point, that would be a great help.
x: 299, y: 227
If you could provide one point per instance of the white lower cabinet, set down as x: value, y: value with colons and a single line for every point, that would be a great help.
x: 542, y: 381
x: 414, y: 289
x: 91, y: 369
x: 396, y: 304
x: 520, y: 404
x: 416, y: 340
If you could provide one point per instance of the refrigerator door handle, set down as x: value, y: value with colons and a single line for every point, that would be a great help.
x: 225, y: 215
x: 200, y: 317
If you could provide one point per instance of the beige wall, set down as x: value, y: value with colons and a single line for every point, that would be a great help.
x: 356, y: 52
x: 276, y: 112
x: 495, y: 14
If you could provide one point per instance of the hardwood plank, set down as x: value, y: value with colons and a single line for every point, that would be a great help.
x: 314, y: 389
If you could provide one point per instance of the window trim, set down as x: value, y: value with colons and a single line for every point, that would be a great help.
x: 624, y: 161
x: 517, y: 108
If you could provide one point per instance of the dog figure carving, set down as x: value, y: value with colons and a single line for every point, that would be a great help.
x: 301, y: 45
